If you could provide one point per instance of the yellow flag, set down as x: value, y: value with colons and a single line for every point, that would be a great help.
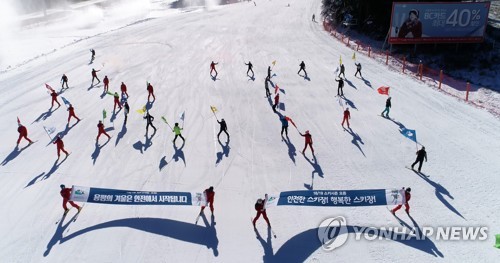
x: 213, y: 108
x: 142, y: 111
x: 274, y: 63
x: 340, y: 60
x: 354, y: 55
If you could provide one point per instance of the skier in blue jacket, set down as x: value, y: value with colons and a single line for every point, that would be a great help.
x: 284, y: 125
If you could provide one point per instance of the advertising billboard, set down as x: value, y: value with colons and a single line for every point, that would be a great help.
x: 422, y: 22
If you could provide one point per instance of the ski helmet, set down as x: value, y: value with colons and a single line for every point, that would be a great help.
x: 63, y: 186
x: 408, y: 189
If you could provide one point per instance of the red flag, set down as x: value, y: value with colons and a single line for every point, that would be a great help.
x: 383, y: 90
x: 290, y: 120
x: 18, y: 121
x: 49, y: 87
x: 276, y: 89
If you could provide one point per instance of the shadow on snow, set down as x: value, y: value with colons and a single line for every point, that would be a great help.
x: 303, y: 245
x: 182, y: 231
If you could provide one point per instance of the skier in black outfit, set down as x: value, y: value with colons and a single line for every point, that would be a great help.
x: 223, y: 128
x: 340, y: 90
x: 266, y: 85
x: 250, y: 66
x: 387, y: 108
x: 149, y: 120
x: 64, y: 80
x: 421, y: 155
x: 302, y: 67
x: 342, y: 70
x: 358, y: 70
x: 127, y: 110
x: 269, y: 72
x: 93, y: 55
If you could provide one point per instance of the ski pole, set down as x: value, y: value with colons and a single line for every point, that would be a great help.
x: 165, y: 120
x: 183, y: 119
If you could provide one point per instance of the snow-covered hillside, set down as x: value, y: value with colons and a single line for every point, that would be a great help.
x: 173, y: 51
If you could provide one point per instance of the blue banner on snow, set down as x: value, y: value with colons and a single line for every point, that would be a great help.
x: 338, y: 198
x: 125, y: 197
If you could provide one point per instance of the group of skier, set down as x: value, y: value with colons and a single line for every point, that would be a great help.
x: 209, y: 192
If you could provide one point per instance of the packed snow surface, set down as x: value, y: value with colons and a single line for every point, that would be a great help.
x: 172, y: 49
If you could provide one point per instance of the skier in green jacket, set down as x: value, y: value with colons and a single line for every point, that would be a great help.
x: 177, y: 131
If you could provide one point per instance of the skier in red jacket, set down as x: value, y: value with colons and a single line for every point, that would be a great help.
x: 123, y: 88
x: 60, y: 146
x: 72, y: 113
x: 150, y: 92
x: 209, y: 195
x: 54, y: 98
x: 106, y: 83
x: 66, y: 195
x: 94, y: 76
x: 276, y: 101
x: 261, y: 210
x: 407, y: 206
x: 212, y: 68
x: 23, y: 133
x: 308, y: 141
x: 117, y: 101
x: 347, y: 116
x: 100, y: 127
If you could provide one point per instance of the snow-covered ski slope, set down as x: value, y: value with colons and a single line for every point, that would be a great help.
x: 173, y: 53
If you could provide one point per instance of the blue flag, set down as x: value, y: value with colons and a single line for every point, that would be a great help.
x: 410, y: 134
x: 65, y: 101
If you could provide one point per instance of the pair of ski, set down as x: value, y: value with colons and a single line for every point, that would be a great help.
x: 400, y: 221
x: 65, y: 157
x: 66, y: 213
x: 198, y: 217
x: 255, y: 228
x: 29, y: 144
x: 417, y: 172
